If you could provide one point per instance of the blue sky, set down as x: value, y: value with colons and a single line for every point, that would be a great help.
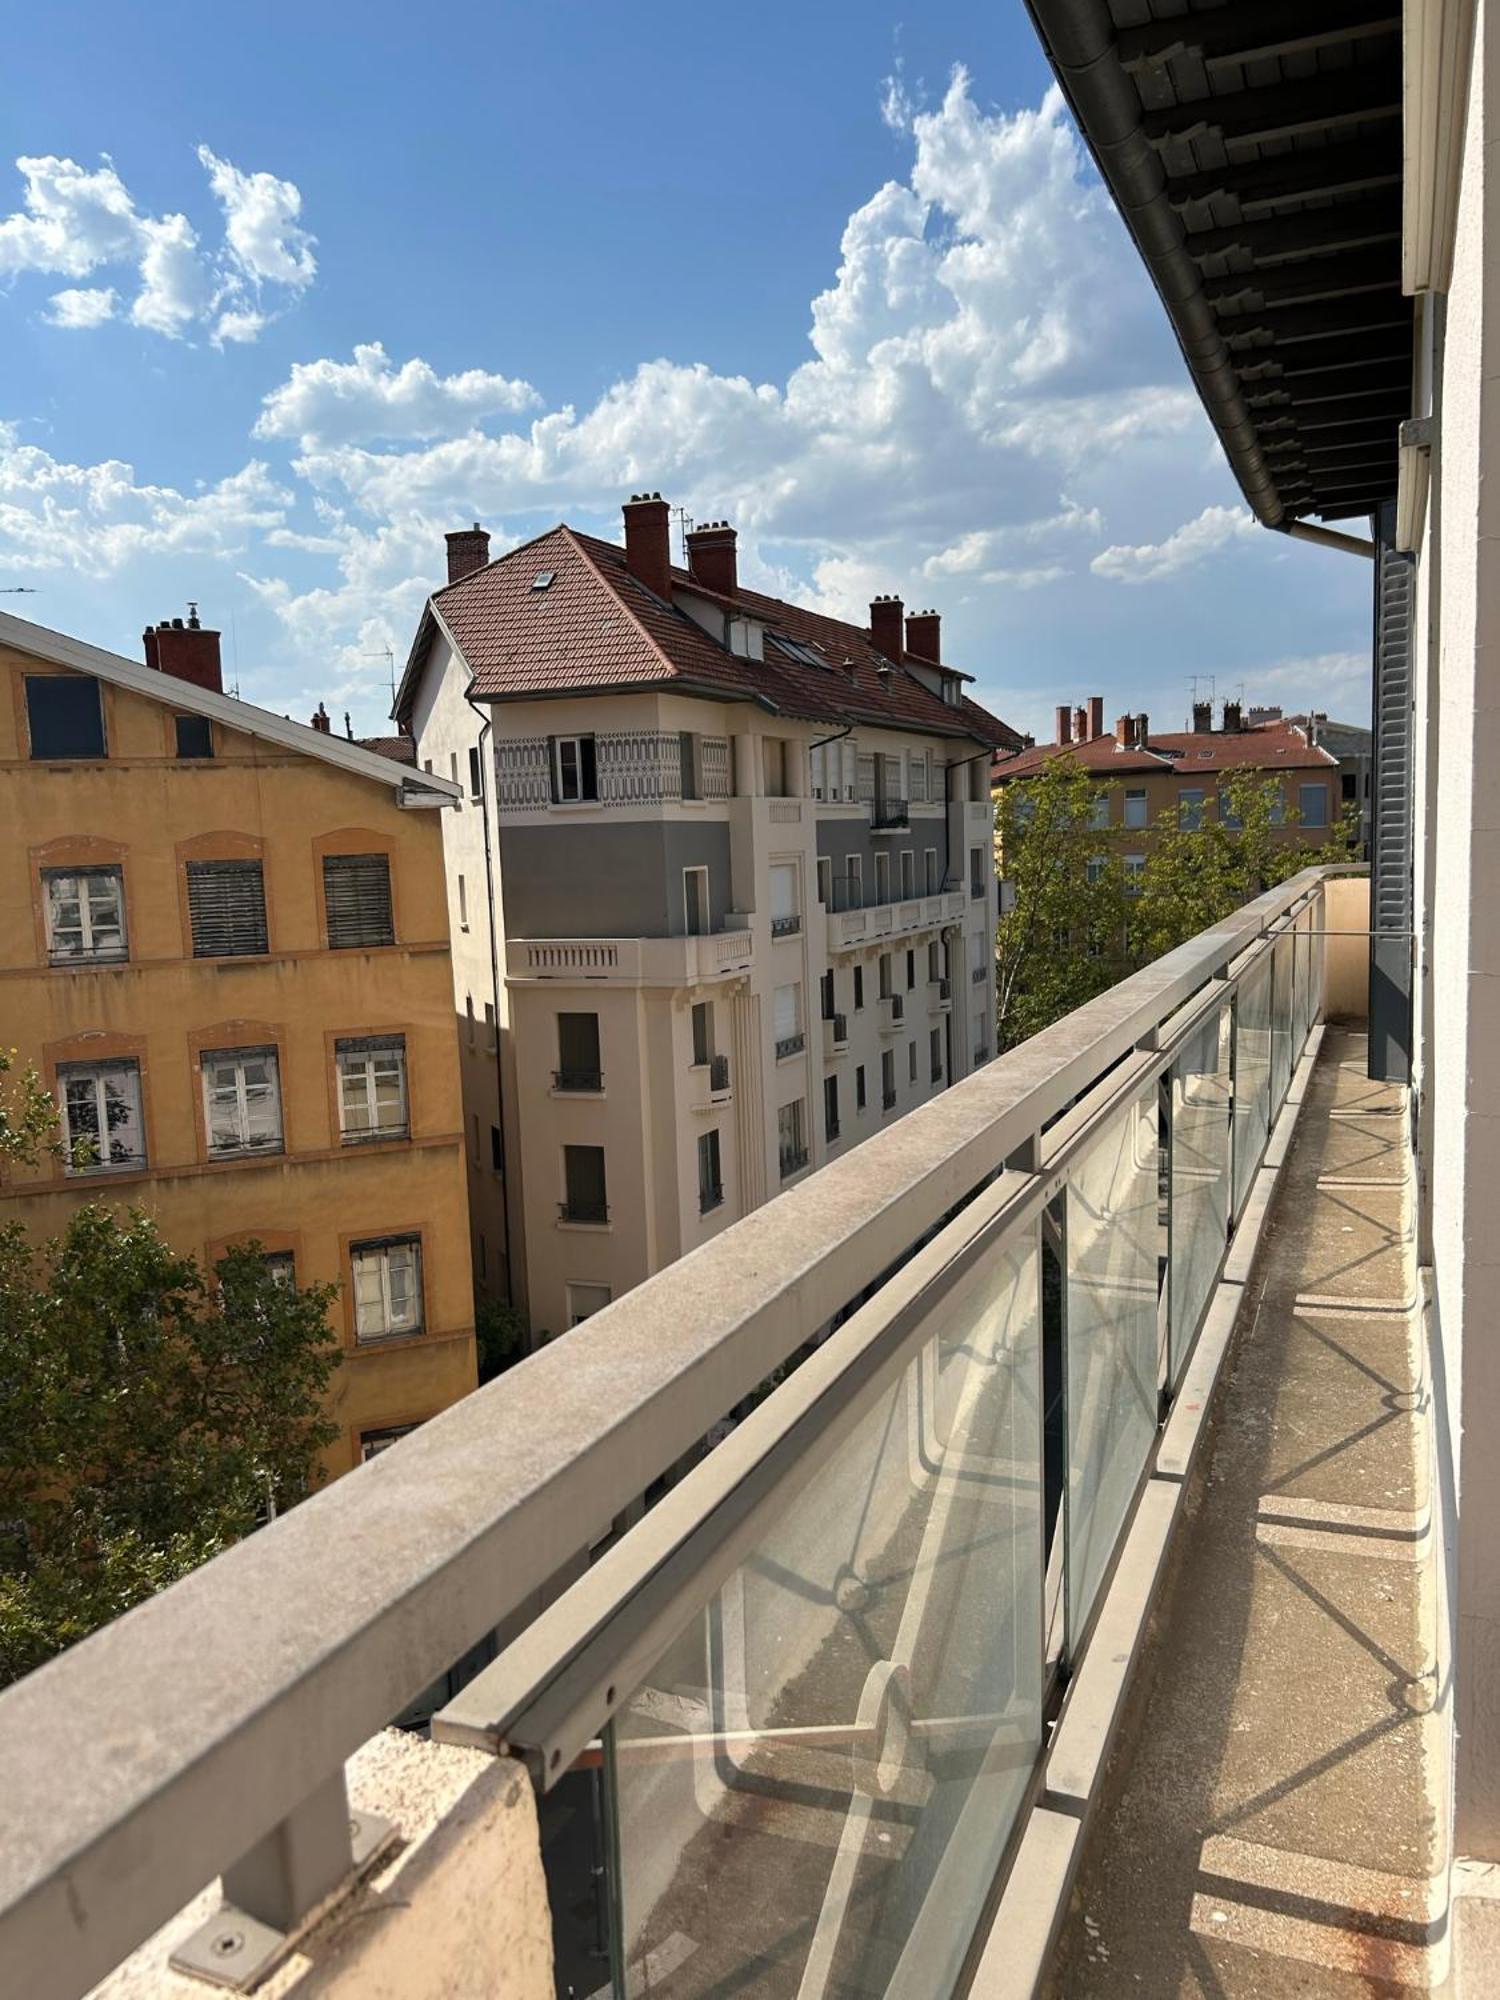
x: 284, y: 293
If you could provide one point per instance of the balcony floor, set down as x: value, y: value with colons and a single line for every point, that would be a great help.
x: 1269, y: 1825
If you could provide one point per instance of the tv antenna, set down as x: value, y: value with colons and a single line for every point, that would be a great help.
x: 686, y: 523
x: 385, y: 653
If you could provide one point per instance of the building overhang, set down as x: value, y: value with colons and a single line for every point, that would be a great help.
x: 1254, y: 151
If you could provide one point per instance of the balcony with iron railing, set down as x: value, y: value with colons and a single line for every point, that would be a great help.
x: 786, y: 926
x: 848, y: 1690
x: 583, y: 1208
x: 889, y: 815
x: 578, y: 1082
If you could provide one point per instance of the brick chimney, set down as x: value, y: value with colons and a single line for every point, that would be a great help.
x: 1203, y: 717
x: 924, y: 636
x: 468, y: 550
x: 887, y: 629
x: 1143, y: 731
x: 1124, y: 730
x: 321, y: 721
x: 187, y: 651
x: 712, y: 558
x: 648, y: 546
x: 1064, y: 723
x: 1081, y: 724
x: 1096, y: 716
x: 1232, y: 722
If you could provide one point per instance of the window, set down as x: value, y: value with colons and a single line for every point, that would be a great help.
x: 1099, y: 813
x: 888, y: 1079
x: 372, y: 1089
x: 859, y: 1088
x: 976, y: 874
x: 497, y: 1150
x: 1135, y: 868
x: 103, y: 1128
x: 687, y: 756
x: 490, y: 1043
x: 387, y: 1287
x: 85, y: 914
x: 787, y: 1019
x: 908, y: 872
x: 882, y: 878
x: 917, y: 778
x: 463, y: 904
x: 935, y: 1054
x: 911, y: 1062
x: 476, y: 774
x: 884, y: 967
x: 583, y: 1180
x: 373, y: 1443
x: 227, y: 908
x: 934, y: 961
x: 1228, y: 817
x: 64, y: 715
x: 859, y: 988
x: 578, y: 1066
x: 1312, y: 804
x: 710, y: 1179
x: 775, y: 758
x: 453, y: 767
x: 911, y: 970
x: 695, y: 901
x: 791, y: 1137
x: 575, y: 773
x: 854, y: 882
x: 785, y: 916
x: 929, y: 870
x: 357, y: 894
x: 1190, y: 809
x: 241, y: 1101
x: 830, y: 1108
x: 816, y: 767
x: 584, y: 1301
x: 469, y: 1016
x: 280, y: 1267
x: 1097, y: 863
x: 827, y: 995
x: 703, y: 1032
x: 195, y: 736
x: 1135, y: 806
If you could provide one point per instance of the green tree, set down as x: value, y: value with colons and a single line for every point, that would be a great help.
x: 1061, y: 938
x: 149, y: 1416
x: 28, y: 1116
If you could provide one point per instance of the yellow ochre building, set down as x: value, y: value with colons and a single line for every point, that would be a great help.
x: 224, y: 945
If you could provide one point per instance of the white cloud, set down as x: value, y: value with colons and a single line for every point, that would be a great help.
x: 1311, y: 675
x: 260, y: 224
x: 82, y: 308
x: 97, y: 518
x: 76, y: 220
x: 1148, y: 562
x: 369, y: 398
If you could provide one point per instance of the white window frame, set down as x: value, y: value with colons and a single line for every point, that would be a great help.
x: 786, y: 1011
x: 1135, y: 868
x: 1313, y: 785
x: 376, y: 1259
x: 687, y: 909
x: 1136, y: 807
x: 83, y: 882
x: 357, y: 1070
x: 98, y: 1075
x: 908, y: 873
x: 577, y: 796
x: 1191, y: 801
x: 1099, y: 813
x: 825, y: 879
x: 214, y: 1094
x: 785, y: 900
x: 574, y: 1288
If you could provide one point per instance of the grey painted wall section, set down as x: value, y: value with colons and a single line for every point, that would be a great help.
x: 839, y: 838
x: 608, y: 876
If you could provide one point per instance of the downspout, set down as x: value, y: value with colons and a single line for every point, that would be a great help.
x: 486, y: 792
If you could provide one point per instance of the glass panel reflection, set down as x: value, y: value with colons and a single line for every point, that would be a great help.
x: 1200, y: 1179
x: 1252, y: 1077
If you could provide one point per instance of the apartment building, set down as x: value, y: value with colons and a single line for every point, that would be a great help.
x: 721, y: 889
x: 223, y: 944
x: 1146, y: 774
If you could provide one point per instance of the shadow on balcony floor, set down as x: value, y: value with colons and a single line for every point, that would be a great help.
x: 1268, y: 1828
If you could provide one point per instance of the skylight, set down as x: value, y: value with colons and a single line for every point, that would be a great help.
x: 797, y: 649
x: 542, y: 578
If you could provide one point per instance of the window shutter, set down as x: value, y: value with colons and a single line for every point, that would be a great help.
x: 588, y: 768
x: 1391, y: 895
x: 227, y: 908
x: 357, y: 895
x: 552, y: 790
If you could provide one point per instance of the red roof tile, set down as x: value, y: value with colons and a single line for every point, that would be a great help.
x: 400, y: 749
x: 595, y: 626
x: 1266, y: 746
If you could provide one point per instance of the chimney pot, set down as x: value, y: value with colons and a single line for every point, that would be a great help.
x: 1064, y: 723
x: 1203, y: 717
x: 887, y: 626
x: 1232, y: 718
x: 648, y: 550
x: 468, y: 550
x: 188, y: 652
x: 321, y: 723
x: 712, y: 558
x: 1124, y: 730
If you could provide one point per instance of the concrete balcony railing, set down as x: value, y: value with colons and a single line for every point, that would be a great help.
x: 672, y: 961
x: 891, y: 1013
x: 855, y: 1613
x: 708, y: 1084
x: 835, y: 1035
x: 848, y: 928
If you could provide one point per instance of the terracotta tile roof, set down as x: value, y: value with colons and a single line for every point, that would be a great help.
x: 594, y: 625
x: 1267, y: 746
x: 400, y: 749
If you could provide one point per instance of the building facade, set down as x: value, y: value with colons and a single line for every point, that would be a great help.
x: 721, y: 890
x: 223, y: 945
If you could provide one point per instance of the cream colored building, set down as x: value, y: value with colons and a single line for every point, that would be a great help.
x: 729, y: 867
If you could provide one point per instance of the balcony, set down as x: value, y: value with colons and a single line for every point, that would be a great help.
x: 578, y: 1082
x: 981, y: 1054
x: 942, y: 995
x: 860, y: 1611
x: 891, y: 1010
x: 978, y: 974
x: 708, y: 1084
x: 835, y: 1036
x: 790, y: 1045
x: 853, y: 922
x: 785, y: 927
x: 889, y: 815
x: 888, y: 1100
x: 670, y: 961
x: 710, y: 1198
x: 578, y: 1209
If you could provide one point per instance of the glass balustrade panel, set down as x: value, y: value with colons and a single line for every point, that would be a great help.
x: 1200, y: 1181
x: 1252, y: 1077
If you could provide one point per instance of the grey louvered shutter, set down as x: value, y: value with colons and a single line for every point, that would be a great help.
x: 357, y: 895
x: 227, y: 908
x: 1391, y: 896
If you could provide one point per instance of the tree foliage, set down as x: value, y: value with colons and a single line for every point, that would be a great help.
x: 29, y: 1122
x: 1074, y: 922
x: 149, y: 1416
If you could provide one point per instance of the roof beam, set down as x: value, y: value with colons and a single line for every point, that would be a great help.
x: 1377, y: 389
x: 1330, y: 319
x: 1225, y: 36
x: 1315, y: 231
x: 1282, y: 110
x: 1309, y: 175
x: 1376, y: 270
